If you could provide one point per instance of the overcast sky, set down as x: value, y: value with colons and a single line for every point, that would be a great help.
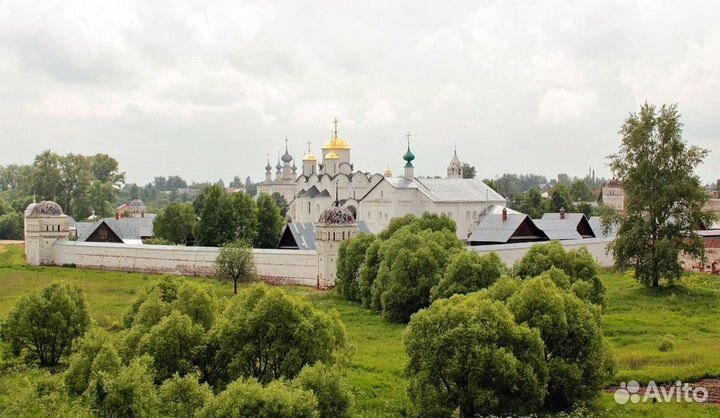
x: 206, y: 90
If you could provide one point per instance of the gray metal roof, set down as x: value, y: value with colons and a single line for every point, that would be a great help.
x: 449, y: 190
x: 493, y: 229
x: 568, y: 216
x: 596, y: 225
x: 126, y: 228
x: 304, y: 233
x: 558, y: 229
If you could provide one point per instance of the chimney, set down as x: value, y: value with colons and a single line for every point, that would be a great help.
x: 562, y: 213
x: 117, y: 215
x: 504, y: 215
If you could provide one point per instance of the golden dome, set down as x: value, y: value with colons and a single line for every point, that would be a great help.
x: 388, y: 172
x: 336, y: 143
x: 309, y: 157
x: 331, y: 156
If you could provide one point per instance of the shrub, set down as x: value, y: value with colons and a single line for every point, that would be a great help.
x: 368, y: 273
x: 125, y: 394
x: 467, y: 354
x: 468, y: 271
x: 248, y: 398
x: 173, y: 344
x: 77, y: 375
x: 267, y: 334
x: 579, y: 265
x: 44, y: 325
x: 330, y: 389
x: 412, y: 262
x: 183, y: 397
x: 577, y: 358
x: 351, y: 256
x: 666, y: 344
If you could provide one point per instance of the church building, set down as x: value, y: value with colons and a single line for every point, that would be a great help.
x: 374, y: 198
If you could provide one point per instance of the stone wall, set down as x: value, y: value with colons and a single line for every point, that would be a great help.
x: 510, y: 253
x: 277, y: 266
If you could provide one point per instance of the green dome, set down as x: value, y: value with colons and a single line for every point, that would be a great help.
x: 409, y: 156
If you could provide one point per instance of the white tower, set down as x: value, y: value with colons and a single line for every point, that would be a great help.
x: 336, y: 224
x: 409, y: 157
x: 309, y: 162
x: 45, y: 223
x: 454, y: 170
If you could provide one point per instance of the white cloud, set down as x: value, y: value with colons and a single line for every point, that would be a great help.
x: 560, y: 105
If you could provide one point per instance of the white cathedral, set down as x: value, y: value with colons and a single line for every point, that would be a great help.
x: 375, y: 198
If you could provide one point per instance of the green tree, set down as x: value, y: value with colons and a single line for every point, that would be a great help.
x: 175, y: 223
x: 270, y: 222
x: 173, y: 344
x: 580, y: 192
x: 467, y: 354
x: 267, y: 334
x: 469, y: 171
x: 368, y: 273
x: 47, y: 176
x: 412, y: 262
x: 128, y: 393
x: 106, y: 169
x: 245, y: 217
x: 235, y: 262
x: 577, y: 358
x: 11, y: 226
x: 351, y: 256
x: 467, y: 272
x: 560, y: 199
x: 45, y: 324
x: 330, y: 389
x: 579, y: 265
x: 196, y: 302
x: 532, y: 204
x: 248, y: 398
x: 281, y: 202
x: 665, y: 198
x: 77, y: 375
x: 215, y: 226
x: 183, y: 397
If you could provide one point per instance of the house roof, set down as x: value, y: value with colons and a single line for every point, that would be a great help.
x: 448, y: 190
x: 304, y: 233
x: 558, y: 229
x: 130, y: 230
x: 596, y: 225
x: 493, y: 229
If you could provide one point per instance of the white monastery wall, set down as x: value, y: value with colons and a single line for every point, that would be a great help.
x: 277, y: 266
x: 510, y: 253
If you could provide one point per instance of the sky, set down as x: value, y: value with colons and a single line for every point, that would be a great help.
x: 207, y: 90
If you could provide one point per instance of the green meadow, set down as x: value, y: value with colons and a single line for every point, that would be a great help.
x: 636, y: 321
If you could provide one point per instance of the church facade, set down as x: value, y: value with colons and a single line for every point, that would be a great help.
x: 373, y: 197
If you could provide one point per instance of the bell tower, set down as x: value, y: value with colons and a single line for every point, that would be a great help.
x: 45, y: 223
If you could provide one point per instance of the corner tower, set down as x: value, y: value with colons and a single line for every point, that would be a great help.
x: 45, y: 223
x: 336, y: 224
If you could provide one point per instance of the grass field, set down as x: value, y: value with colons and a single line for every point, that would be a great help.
x: 635, y: 322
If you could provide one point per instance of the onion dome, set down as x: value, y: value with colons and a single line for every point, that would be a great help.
x: 336, y: 143
x: 336, y: 215
x: 46, y: 208
x: 136, y: 203
x: 268, y: 167
x: 286, y: 158
x: 278, y: 167
x: 408, y: 157
x: 309, y: 157
x: 388, y: 172
x: 331, y: 156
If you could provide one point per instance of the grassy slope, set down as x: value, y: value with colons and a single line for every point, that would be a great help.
x: 635, y: 321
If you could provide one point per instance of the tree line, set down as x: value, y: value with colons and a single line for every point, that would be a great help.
x: 216, y: 218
